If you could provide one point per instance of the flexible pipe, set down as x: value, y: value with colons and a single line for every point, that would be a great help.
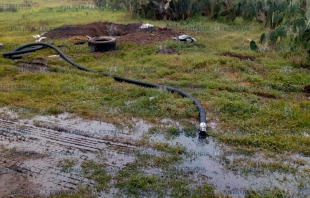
x: 19, y: 50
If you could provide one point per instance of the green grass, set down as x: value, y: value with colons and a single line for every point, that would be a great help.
x: 96, y: 172
x: 66, y: 164
x: 81, y: 193
x: 135, y: 183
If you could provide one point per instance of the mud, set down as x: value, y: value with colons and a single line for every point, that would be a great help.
x: 241, y: 57
x: 265, y: 95
x: 126, y: 33
x: 216, y: 167
x: 37, y: 64
x: 307, y: 89
x: 33, y: 153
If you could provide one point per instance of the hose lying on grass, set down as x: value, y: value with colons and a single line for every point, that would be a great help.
x: 15, y: 54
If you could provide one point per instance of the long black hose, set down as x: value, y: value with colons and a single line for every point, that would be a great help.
x: 38, y: 46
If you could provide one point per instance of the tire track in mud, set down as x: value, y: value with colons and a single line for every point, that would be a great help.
x: 52, y: 140
x: 42, y: 150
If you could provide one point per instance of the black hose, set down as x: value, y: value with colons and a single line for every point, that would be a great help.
x: 19, y: 50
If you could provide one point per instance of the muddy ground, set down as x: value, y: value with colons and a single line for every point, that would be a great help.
x: 126, y: 33
x: 240, y: 57
x: 35, y: 151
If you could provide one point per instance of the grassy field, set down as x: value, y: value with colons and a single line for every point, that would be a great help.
x: 255, y: 106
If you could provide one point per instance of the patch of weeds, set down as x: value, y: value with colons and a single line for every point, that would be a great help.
x: 170, y: 132
x: 143, y: 141
x: 139, y: 184
x: 166, y: 147
x: 133, y: 182
x: 153, y: 130
x: 82, y: 192
x: 143, y: 160
x: 275, y: 193
x: 54, y: 111
x: 299, y: 162
x: 173, y: 132
x: 246, y: 166
x: 4, y: 149
x: 136, y: 183
x: 206, y: 190
x: 164, y: 161
x: 66, y: 164
x: 190, y: 132
x: 85, y: 59
x: 241, y: 151
x: 273, y: 142
x: 96, y: 172
x: 238, y: 109
x: 148, y: 160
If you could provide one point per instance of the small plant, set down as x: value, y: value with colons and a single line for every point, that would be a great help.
x: 67, y: 164
x: 96, y: 172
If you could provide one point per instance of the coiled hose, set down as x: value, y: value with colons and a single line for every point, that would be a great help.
x: 38, y: 46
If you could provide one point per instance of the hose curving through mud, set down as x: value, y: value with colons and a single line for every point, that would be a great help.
x: 38, y: 46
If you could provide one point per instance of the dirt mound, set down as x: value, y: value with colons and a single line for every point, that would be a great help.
x: 307, y: 89
x: 241, y: 57
x: 129, y: 32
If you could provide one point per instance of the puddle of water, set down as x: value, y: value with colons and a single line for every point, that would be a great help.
x: 51, y: 146
x: 209, y: 163
x: 208, y: 155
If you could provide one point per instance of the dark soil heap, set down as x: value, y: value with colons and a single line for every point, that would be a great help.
x: 241, y: 57
x: 129, y: 32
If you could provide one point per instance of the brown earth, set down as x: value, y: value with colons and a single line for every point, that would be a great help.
x: 14, y: 179
x: 127, y: 33
x: 241, y: 57
x: 307, y: 89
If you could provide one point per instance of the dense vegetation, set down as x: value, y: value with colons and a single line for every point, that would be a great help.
x: 287, y: 21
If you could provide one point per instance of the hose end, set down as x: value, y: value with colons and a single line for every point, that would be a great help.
x: 202, y: 129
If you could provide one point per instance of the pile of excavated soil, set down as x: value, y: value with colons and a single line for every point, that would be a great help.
x: 307, y: 89
x: 127, y: 33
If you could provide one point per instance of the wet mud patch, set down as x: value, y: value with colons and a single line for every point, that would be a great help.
x: 126, y: 33
x: 237, y: 173
x: 53, y: 158
x: 265, y: 95
x: 64, y: 153
x: 15, y: 175
x: 34, y: 65
x: 307, y: 90
x: 240, y: 57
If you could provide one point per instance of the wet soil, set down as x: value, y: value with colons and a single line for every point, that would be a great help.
x: 307, y: 89
x: 241, y: 57
x: 37, y: 64
x: 41, y: 144
x: 15, y: 176
x: 33, y: 151
x: 265, y: 95
x: 127, y: 33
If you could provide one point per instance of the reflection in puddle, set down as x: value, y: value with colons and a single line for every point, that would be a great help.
x: 208, y: 158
